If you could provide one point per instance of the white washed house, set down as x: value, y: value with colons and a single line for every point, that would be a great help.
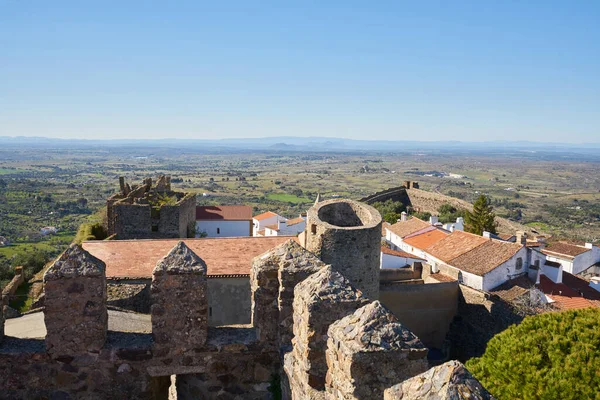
x: 223, y: 221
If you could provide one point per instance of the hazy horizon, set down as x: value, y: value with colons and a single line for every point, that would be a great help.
x: 466, y: 71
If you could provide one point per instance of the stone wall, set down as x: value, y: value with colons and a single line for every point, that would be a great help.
x: 347, y: 235
x: 75, y: 311
x: 369, y: 351
x: 479, y: 317
x: 448, y: 381
x: 132, y: 221
x: 129, y: 294
x: 427, y: 309
x: 179, y: 306
x: 394, y: 194
x: 140, y: 213
x: 11, y: 287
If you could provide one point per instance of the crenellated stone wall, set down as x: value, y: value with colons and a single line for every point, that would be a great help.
x: 75, y: 311
x: 368, y: 351
x: 334, y: 342
x: 179, y: 306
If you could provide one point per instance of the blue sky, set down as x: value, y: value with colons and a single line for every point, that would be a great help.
x: 462, y: 70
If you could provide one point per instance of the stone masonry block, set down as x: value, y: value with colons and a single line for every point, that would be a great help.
x: 179, y: 310
x: 75, y: 304
x: 296, y: 264
x: 449, y: 381
x: 369, y: 351
x: 264, y: 286
x: 319, y: 300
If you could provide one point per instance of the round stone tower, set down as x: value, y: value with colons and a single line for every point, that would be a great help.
x: 347, y: 235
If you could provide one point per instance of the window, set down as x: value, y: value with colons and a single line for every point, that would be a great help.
x: 210, y: 311
x: 519, y: 263
x: 537, y: 263
x: 218, y: 231
x: 313, y: 229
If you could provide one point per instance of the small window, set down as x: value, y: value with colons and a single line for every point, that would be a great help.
x: 210, y: 311
x: 537, y: 263
x: 519, y: 263
x: 154, y: 228
x: 313, y: 229
x: 218, y: 231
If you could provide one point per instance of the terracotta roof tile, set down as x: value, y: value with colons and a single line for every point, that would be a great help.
x: 565, y: 249
x: 442, y: 278
x: 484, y: 258
x: 405, y: 228
x: 227, y: 213
x: 567, y: 297
x: 454, y: 245
x: 265, y: 215
x: 295, y: 221
x: 514, y: 288
x: 398, y: 253
x: 223, y: 256
x: 426, y: 239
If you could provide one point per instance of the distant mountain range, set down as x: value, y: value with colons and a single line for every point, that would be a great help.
x: 303, y: 144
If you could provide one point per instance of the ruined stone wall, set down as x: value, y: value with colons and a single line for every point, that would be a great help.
x: 426, y: 309
x: 347, y: 235
x: 394, y: 194
x: 11, y: 287
x: 132, y: 221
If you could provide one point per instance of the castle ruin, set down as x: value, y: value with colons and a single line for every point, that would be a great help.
x: 313, y: 334
x: 151, y: 211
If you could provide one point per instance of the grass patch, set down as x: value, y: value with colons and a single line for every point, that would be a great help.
x: 9, y: 171
x: 540, y: 225
x: 22, y: 301
x: 287, y: 198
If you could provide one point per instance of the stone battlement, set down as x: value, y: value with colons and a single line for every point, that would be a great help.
x: 151, y: 211
x: 311, y: 327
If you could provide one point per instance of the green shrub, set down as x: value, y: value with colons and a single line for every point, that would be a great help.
x: 547, y: 356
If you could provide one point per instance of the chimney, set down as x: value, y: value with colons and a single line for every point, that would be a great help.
x: 521, y: 237
x: 589, y: 245
x: 403, y: 216
x: 433, y: 219
x: 487, y: 235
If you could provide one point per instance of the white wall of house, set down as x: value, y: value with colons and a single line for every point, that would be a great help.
x: 260, y: 225
x: 389, y: 261
x: 223, y: 228
x: 553, y: 273
x: 506, y: 270
x: 291, y: 230
x: 586, y: 260
x: 467, y: 278
x: 567, y: 264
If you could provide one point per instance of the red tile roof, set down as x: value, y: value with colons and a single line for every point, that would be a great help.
x: 264, y: 215
x: 426, y: 239
x: 294, y: 221
x: 566, y: 250
x: 485, y: 257
x: 398, y: 253
x: 570, y: 294
x: 226, y: 213
x: 454, y: 245
x: 405, y: 228
x: 442, y: 278
x: 223, y: 256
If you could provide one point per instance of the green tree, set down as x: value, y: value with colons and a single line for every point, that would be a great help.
x: 482, y: 218
x: 390, y: 210
x: 548, y: 356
